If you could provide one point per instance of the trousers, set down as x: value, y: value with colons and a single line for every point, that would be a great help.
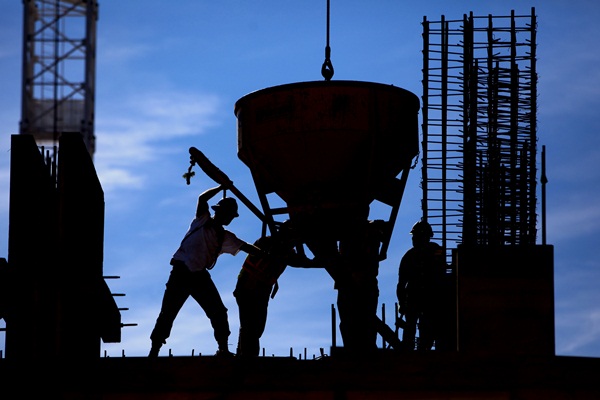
x: 253, y: 305
x: 182, y: 284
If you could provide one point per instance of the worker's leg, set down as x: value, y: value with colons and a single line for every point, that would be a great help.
x: 425, y: 333
x: 252, y: 306
x: 410, y: 331
x: 175, y: 295
x: 206, y: 294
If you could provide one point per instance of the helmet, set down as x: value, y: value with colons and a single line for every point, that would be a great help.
x: 285, y: 225
x: 422, y: 228
x: 227, y: 204
x: 285, y: 231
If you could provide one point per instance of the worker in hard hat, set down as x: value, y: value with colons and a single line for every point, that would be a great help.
x: 420, y: 291
x: 204, y: 241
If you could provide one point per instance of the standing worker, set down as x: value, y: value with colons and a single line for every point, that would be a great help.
x: 204, y: 241
x: 257, y: 282
x: 357, y: 285
x: 420, y: 291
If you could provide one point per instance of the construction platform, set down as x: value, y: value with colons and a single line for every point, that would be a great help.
x: 387, y: 374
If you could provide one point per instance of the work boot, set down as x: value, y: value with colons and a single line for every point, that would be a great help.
x: 223, y: 349
x: 225, y: 353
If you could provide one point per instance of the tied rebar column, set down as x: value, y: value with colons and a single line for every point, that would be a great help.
x: 479, y: 129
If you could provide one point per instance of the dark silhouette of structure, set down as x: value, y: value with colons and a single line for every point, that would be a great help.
x: 363, y: 135
x: 479, y: 178
x: 59, y: 305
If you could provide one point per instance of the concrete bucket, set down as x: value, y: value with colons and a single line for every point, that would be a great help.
x: 327, y: 148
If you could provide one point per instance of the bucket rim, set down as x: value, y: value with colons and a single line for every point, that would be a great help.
x: 321, y: 84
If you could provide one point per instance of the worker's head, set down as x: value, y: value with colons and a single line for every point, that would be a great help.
x: 225, y: 210
x: 286, y: 230
x: 285, y: 235
x: 421, y: 233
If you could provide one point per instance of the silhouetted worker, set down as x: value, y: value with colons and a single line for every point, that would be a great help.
x: 257, y: 282
x: 420, y: 288
x: 357, y: 286
x: 205, y: 240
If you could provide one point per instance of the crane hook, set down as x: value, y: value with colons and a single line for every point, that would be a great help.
x: 327, y: 68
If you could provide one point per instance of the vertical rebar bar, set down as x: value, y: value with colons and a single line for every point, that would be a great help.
x: 444, y: 129
x: 425, y: 124
x: 533, y: 122
x: 333, y: 327
x: 544, y: 180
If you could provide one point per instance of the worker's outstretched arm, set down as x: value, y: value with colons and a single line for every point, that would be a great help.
x: 301, y: 261
x: 205, y: 196
x: 253, y: 250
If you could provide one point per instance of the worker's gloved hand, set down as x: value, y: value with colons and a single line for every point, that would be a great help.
x: 226, y: 183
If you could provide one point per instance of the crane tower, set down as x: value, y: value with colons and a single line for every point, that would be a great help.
x: 59, y: 39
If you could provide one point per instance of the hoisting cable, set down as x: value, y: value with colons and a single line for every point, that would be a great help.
x: 327, y: 68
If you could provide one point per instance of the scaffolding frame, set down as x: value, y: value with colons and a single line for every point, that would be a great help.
x: 58, y: 77
x: 479, y: 129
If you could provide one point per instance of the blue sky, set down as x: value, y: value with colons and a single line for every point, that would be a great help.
x: 168, y: 77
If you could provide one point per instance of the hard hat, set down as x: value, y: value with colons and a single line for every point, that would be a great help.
x: 422, y: 228
x: 285, y: 231
x: 227, y: 204
x: 286, y: 225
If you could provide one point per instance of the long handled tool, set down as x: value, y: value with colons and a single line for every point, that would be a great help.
x: 221, y: 178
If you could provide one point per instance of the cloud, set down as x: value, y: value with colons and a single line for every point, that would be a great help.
x: 569, y: 74
x: 577, y: 303
x: 572, y: 187
x: 116, y: 177
x: 138, y: 130
x: 586, y: 333
x: 578, y: 164
x: 113, y: 53
x: 582, y: 214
